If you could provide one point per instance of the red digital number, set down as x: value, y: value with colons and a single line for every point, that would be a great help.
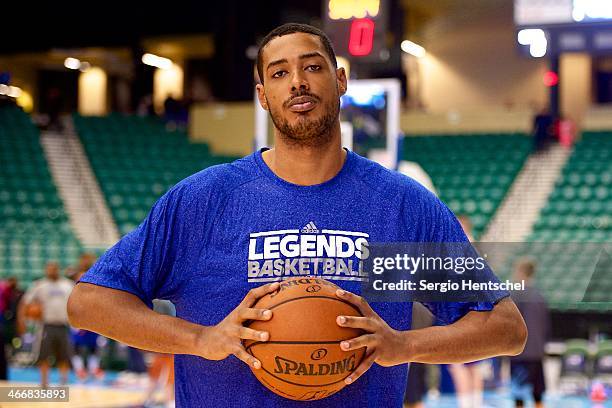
x: 362, y: 37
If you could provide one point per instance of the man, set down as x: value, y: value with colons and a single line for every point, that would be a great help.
x: 527, y: 368
x: 467, y: 377
x: 52, y: 294
x: 543, y: 130
x: 417, y: 382
x: 13, y: 295
x: 86, y: 358
x: 216, y: 235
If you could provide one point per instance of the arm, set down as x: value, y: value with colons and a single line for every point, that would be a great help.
x: 28, y: 298
x: 476, y: 336
x: 124, y: 317
x: 20, y: 318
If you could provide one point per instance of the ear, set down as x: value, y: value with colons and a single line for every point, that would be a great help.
x: 261, y: 95
x: 341, y: 80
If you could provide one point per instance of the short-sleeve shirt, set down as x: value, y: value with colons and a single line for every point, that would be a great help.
x: 53, y: 297
x: 232, y: 227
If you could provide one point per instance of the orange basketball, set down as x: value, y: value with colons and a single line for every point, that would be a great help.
x: 302, y: 360
x: 33, y: 311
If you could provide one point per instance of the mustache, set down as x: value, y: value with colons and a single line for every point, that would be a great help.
x: 298, y: 94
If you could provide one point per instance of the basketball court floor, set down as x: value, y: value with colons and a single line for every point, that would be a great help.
x: 114, y: 391
x: 120, y: 391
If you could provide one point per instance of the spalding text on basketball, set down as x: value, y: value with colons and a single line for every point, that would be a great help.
x: 289, y: 367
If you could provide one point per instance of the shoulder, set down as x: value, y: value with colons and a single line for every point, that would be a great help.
x: 36, y: 286
x: 214, y: 183
x: 380, y: 178
x: 226, y: 175
x: 39, y: 283
x: 398, y: 186
x: 421, y: 211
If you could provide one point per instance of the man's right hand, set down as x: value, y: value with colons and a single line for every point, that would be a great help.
x: 218, y: 342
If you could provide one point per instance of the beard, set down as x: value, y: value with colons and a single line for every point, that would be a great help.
x: 308, y: 132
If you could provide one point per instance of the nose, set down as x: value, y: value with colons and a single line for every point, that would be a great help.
x: 298, y: 81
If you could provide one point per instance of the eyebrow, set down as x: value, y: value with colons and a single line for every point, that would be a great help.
x: 303, y: 56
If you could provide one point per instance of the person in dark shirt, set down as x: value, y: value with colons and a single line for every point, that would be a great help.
x: 543, y: 130
x: 527, y: 368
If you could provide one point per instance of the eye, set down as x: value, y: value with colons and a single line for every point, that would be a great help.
x: 278, y: 74
x: 312, y: 68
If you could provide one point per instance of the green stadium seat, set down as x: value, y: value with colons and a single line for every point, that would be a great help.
x: 136, y: 160
x: 31, y: 212
x: 466, y: 169
x: 579, y: 211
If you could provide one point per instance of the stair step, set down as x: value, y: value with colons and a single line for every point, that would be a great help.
x: 87, y: 211
x: 527, y: 196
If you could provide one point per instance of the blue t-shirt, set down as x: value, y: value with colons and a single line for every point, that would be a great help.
x: 232, y: 227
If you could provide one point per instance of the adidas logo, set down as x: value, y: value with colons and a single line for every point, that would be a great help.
x: 310, y: 228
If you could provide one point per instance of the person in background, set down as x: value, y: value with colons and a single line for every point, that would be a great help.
x: 54, y: 104
x: 52, y: 293
x: 416, y: 385
x: 161, y: 369
x: 86, y: 359
x: 4, y: 305
x: 543, y: 130
x: 86, y: 260
x: 145, y: 106
x: 13, y: 295
x: 467, y: 377
x: 467, y: 226
x: 527, y: 368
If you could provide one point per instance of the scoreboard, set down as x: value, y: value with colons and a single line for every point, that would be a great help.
x: 538, y: 12
x: 358, y: 28
x: 551, y: 27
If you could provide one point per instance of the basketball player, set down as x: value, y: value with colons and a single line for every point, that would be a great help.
x: 52, y: 293
x: 467, y: 377
x: 527, y: 368
x: 212, y: 239
x: 86, y: 358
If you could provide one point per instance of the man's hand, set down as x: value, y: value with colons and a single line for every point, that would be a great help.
x: 382, y: 342
x: 476, y: 336
x: 218, y: 342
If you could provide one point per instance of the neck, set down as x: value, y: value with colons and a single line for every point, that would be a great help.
x: 306, y: 165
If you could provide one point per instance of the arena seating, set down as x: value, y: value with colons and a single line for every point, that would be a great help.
x: 136, y: 160
x: 34, y: 227
x: 574, y: 223
x: 580, y: 207
x: 472, y: 173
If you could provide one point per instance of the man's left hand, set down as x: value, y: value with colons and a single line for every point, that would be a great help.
x: 384, y: 345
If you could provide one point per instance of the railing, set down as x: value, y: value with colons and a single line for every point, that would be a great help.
x: 520, y: 208
x: 87, y: 186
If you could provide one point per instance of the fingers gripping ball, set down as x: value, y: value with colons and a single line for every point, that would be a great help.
x: 302, y: 359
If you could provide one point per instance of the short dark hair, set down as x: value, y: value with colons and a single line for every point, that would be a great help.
x: 292, y: 28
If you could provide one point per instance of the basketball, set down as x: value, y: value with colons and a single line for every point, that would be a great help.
x: 33, y: 311
x: 302, y: 360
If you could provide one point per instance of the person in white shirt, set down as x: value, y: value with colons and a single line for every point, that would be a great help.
x: 51, y: 293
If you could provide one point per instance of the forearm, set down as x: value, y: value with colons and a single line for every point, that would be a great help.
x: 476, y: 336
x: 124, y: 317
